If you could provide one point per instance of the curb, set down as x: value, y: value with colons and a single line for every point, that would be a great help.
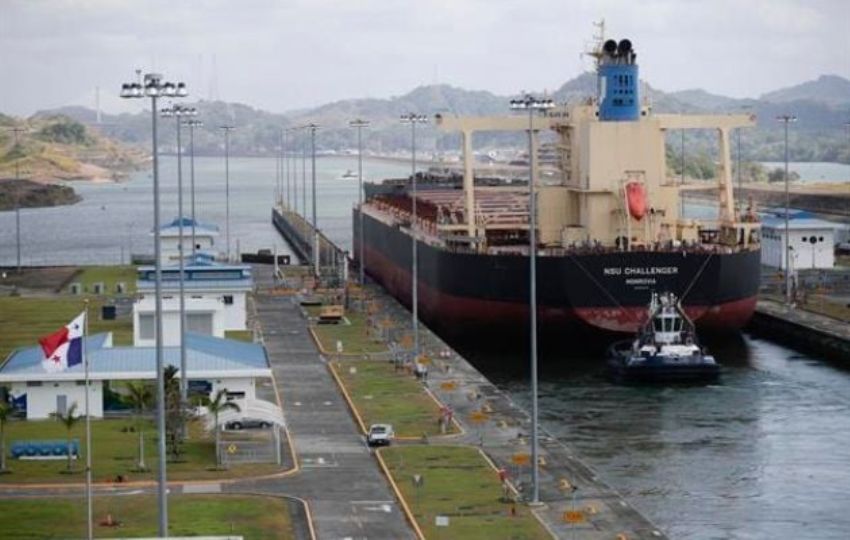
x: 349, y: 355
x: 407, y: 512
x: 350, y: 403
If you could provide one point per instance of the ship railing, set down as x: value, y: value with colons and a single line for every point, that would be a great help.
x: 519, y: 249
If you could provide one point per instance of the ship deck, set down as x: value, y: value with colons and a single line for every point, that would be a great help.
x: 502, y: 210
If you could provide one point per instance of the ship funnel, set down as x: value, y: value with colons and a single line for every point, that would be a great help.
x: 618, y: 82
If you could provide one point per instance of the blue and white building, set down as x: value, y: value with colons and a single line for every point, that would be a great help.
x: 211, y: 363
x: 216, y: 300
x: 811, y: 244
x: 205, y: 239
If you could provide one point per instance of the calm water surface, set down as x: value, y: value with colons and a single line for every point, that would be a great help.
x: 113, y: 220
x: 765, y: 453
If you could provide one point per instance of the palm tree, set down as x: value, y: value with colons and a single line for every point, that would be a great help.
x: 69, y: 420
x: 216, y: 406
x: 139, y: 397
x: 5, y: 414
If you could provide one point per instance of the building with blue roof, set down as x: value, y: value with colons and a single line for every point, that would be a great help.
x: 811, y: 240
x: 205, y: 238
x: 211, y: 363
x: 216, y: 299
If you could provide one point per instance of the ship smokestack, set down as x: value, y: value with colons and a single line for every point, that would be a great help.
x: 618, y: 82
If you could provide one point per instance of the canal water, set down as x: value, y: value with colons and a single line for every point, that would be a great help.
x: 764, y: 453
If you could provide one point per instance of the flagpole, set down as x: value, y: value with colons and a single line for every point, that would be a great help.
x: 89, y: 521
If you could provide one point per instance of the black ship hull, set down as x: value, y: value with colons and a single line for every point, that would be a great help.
x: 485, y: 297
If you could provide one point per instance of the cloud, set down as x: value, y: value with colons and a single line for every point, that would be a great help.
x: 288, y: 54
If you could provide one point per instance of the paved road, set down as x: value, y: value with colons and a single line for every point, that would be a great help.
x: 339, y: 478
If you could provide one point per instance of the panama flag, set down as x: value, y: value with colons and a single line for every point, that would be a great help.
x: 63, y: 349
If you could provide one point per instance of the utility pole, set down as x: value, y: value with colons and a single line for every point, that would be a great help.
x: 361, y: 263
x: 787, y: 119
x: 533, y: 105
x: 155, y: 88
x: 413, y: 119
x: 16, y: 131
x: 317, y: 258
x: 227, y: 129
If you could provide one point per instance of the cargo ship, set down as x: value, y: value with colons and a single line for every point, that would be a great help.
x: 610, y: 230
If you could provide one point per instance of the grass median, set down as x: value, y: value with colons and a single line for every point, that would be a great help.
x: 114, y: 453
x: 252, y: 517
x: 352, y: 333
x: 459, y: 484
x: 383, y: 394
x: 24, y: 320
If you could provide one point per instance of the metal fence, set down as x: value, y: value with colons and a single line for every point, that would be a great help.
x: 264, y: 449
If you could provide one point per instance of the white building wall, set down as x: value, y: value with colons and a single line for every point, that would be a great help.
x: 169, y: 245
x: 171, y: 318
x: 805, y: 255
x: 42, y: 400
x: 236, y: 314
x: 246, y: 385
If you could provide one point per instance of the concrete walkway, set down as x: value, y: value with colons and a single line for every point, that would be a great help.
x: 505, y: 434
x: 339, y: 478
x: 801, y: 317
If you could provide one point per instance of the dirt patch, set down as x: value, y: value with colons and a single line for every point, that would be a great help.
x: 43, y: 279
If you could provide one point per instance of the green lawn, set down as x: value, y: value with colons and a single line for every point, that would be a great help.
x: 115, y: 453
x: 23, y: 320
x: 188, y: 515
x: 352, y: 333
x: 240, y: 335
x: 457, y: 482
x: 109, y: 276
x: 384, y: 395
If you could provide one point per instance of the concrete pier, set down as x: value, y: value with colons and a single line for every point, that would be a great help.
x: 577, y: 503
x: 796, y: 327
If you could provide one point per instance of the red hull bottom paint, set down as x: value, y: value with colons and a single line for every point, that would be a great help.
x: 475, y: 316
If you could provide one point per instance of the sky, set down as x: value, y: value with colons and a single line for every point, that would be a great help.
x: 281, y: 55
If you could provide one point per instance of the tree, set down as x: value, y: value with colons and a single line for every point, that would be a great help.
x: 139, y: 397
x: 69, y: 420
x: 177, y: 414
x: 5, y: 414
x: 216, y: 406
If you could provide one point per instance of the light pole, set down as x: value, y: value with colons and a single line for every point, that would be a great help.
x: 413, y: 119
x: 304, y: 177
x: 16, y: 131
x: 847, y: 125
x: 292, y: 171
x: 787, y: 119
x: 277, y: 171
x: 316, y: 254
x: 285, y: 164
x: 227, y: 129
x: 154, y: 88
x: 533, y: 105
x: 359, y: 125
x: 179, y: 112
x: 682, y: 180
x: 192, y: 124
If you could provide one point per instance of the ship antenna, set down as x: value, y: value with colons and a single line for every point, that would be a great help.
x: 595, y: 50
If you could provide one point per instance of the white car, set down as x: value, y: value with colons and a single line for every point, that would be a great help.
x: 380, y: 435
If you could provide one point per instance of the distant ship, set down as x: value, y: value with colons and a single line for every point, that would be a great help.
x: 610, y: 230
x: 349, y: 174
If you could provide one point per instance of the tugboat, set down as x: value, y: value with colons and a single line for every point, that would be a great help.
x: 664, y: 350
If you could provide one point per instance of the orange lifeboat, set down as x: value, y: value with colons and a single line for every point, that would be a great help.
x: 636, y: 198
